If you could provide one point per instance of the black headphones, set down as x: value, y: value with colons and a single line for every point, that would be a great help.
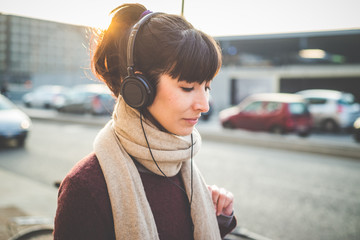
x: 136, y: 90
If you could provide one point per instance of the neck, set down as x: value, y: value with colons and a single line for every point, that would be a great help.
x: 150, y: 117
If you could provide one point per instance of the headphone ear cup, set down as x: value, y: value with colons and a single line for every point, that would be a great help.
x: 137, y: 92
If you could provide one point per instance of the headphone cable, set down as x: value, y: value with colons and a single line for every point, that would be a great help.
x: 191, y: 167
x: 191, y: 170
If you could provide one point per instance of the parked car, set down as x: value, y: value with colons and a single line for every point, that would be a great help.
x: 356, y: 130
x: 14, y: 124
x: 331, y: 110
x: 273, y: 112
x: 87, y: 98
x: 44, y: 96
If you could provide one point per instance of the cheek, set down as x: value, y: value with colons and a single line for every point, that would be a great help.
x: 179, y: 103
x: 163, y: 105
x: 172, y: 100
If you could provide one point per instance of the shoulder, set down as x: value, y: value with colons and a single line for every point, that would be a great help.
x: 86, y: 178
x: 84, y: 209
x: 86, y: 167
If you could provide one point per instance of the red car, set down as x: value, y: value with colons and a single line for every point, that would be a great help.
x: 272, y: 112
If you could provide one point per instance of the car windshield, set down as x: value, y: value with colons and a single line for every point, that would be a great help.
x: 347, y: 99
x: 298, y: 108
x: 5, y: 104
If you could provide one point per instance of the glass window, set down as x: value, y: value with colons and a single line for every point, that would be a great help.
x: 2, y: 65
x: 316, y: 100
x: 254, y: 107
x: 2, y: 54
x: 297, y: 108
x: 273, y: 106
x: 2, y: 47
x: 2, y: 37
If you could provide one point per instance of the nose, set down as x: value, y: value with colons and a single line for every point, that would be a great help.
x: 201, y: 103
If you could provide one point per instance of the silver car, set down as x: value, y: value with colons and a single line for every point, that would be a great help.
x: 14, y: 124
x: 95, y: 99
x: 44, y: 96
x: 331, y: 110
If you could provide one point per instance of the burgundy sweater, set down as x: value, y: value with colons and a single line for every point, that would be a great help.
x: 84, y: 209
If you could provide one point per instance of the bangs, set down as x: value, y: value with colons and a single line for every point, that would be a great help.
x: 196, y: 59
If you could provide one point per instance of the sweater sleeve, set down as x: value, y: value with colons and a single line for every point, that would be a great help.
x: 226, y: 224
x: 80, y: 213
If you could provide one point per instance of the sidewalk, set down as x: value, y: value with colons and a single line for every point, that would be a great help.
x: 341, y: 146
x: 21, y: 197
x: 34, y: 198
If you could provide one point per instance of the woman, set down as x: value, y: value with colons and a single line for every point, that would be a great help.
x: 141, y: 182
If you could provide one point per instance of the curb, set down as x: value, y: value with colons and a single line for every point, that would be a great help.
x: 290, y: 143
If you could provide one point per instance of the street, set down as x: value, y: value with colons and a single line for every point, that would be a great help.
x: 279, y: 194
x: 287, y: 195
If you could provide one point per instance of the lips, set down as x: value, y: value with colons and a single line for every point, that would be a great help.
x: 192, y: 121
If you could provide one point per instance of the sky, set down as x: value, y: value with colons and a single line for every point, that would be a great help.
x: 215, y: 17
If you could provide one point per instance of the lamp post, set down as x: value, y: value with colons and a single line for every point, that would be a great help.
x: 182, y: 8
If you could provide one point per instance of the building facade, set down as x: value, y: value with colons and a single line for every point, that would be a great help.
x: 287, y: 63
x: 34, y: 52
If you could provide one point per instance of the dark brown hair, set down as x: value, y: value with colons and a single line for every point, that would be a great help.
x: 166, y: 44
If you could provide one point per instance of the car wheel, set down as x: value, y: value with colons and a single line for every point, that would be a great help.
x: 277, y: 129
x: 60, y: 109
x: 95, y: 113
x: 304, y: 134
x: 21, y: 142
x: 357, y: 136
x: 329, y: 125
x: 204, y: 117
x: 228, y: 125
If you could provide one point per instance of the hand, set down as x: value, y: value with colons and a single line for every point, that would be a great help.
x: 222, y: 199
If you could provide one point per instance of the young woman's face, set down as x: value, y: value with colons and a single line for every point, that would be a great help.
x: 178, y: 105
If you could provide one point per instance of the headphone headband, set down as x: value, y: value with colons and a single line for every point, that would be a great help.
x: 131, y: 41
x: 136, y: 90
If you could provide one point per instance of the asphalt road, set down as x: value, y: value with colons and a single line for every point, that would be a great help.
x: 279, y: 194
x: 287, y: 195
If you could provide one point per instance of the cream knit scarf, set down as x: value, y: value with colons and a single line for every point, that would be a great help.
x: 133, y: 218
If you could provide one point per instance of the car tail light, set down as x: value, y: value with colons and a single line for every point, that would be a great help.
x: 340, y: 108
x: 96, y: 102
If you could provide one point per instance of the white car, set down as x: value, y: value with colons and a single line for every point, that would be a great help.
x: 45, y: 96
x: 331, y: 110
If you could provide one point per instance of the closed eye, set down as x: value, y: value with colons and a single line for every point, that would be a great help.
x: 187, y: 89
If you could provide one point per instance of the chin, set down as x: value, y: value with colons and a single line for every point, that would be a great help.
x: 184, y: 132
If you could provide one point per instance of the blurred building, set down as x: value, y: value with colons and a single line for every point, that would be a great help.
x: 287, y: 63
x: 34, y: 52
